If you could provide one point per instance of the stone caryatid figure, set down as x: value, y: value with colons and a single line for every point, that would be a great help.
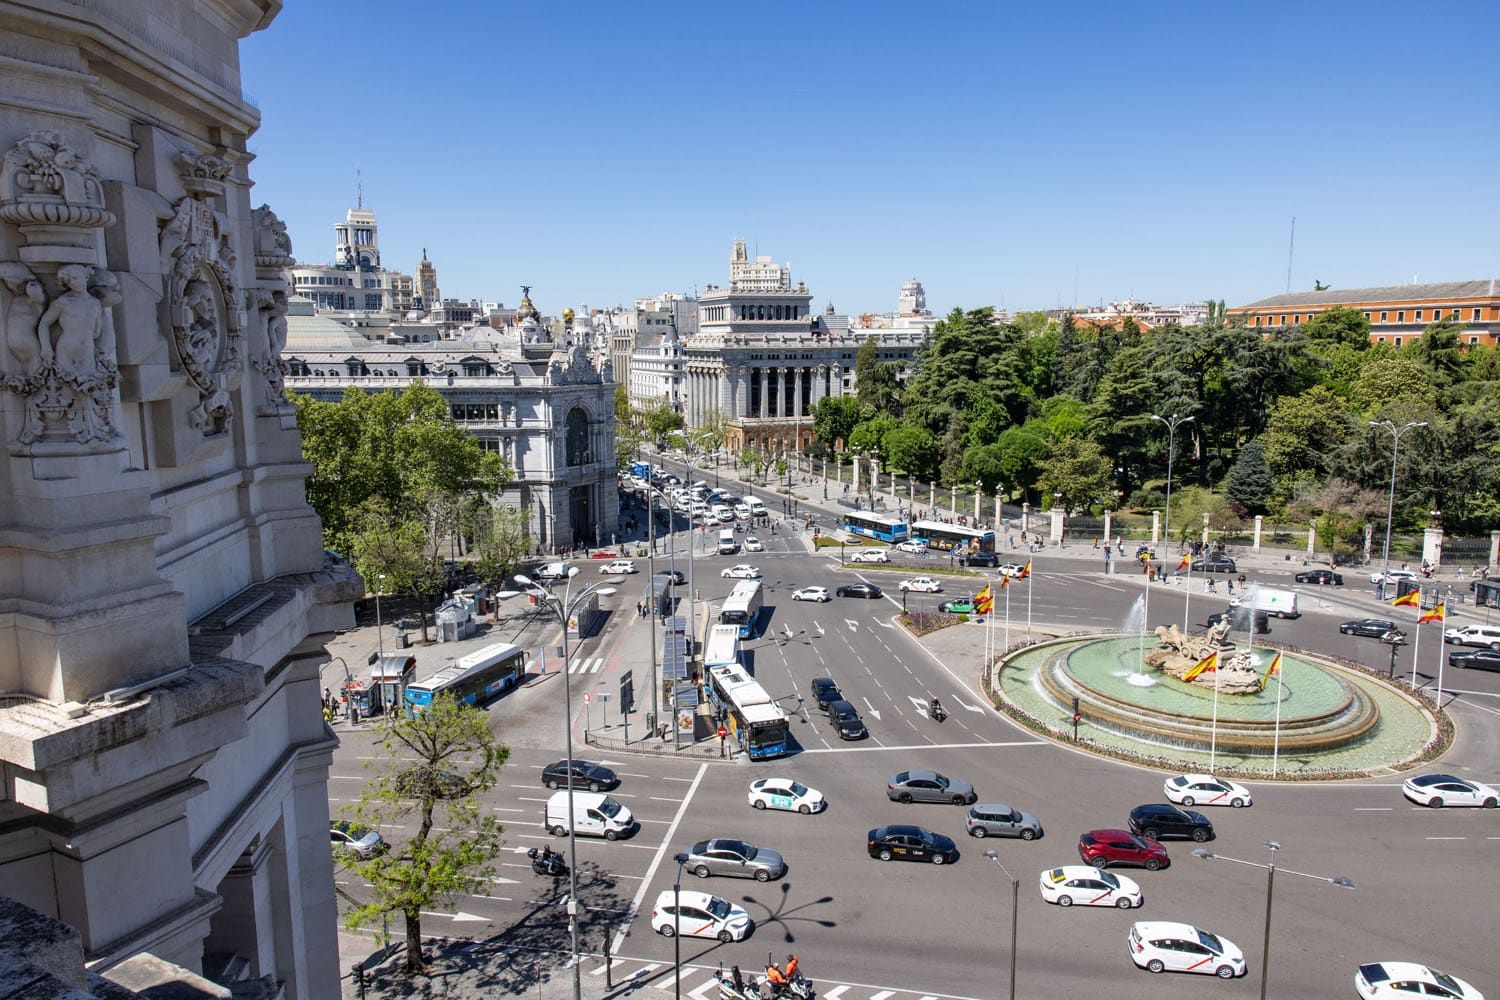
x: 26, y: 300
x: 77, y: 318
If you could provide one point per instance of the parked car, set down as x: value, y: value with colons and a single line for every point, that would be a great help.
x: 1239, y: 620
x: 910, y: 843
x: 618, y: 566
x: 818, y: 594
x: 846, y: 721
x: 825, y: 692
x: 1163, y: 946
x: 351, y: 838
x: 786, y: 794
x: 1206, y: 790
x: 586, y: 774
x: 753, y: 544
x: 1087, y: 886
x: 1439, y: 790
x: 1475, y: 659
x: 1322, y: 577
x: 1221, y: 565
x: 1403, y: 980
x: 1371, y: 628
x: 1475, y: 635
x: 698, y: 914
x: 1107, y: 848
x: 913, y: 546
x: 958, y: 606
x: 871, y: 556
x: 865, y: 590
x: 985, y: 820
x: 921, y: 584
x: 735, y: 858
x: 928, y: 786
x: 1166, y: 820
x: 744, y: 571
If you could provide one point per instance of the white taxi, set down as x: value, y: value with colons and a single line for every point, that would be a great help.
x: 1408, y: 979
x: 784, y: 793
x: 922, y: 584
x: 699, y: 914
x: 618, y: 566
x: 744, y: 571
x: 913, y: 546
x: 1088, y: 886
x: 871, y: 556
x: 1165, y: 946
x: 753, y: 544
x: 815, y: 594
x: 1205, y: 790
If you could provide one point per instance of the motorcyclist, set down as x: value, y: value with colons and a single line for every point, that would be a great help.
x: 936, y: 709
x: 776, y: 977
x: 792, y: 965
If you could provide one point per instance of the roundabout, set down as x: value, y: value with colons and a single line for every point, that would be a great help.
x: 1318, y: 718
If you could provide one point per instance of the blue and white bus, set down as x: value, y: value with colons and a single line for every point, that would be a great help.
x: 472, y: 679
x: 757, y: 723
x: 946, y: 537
x: 887, y: 527
x: 742, y: 608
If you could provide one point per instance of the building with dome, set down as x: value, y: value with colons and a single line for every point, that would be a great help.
x: 540, y: 401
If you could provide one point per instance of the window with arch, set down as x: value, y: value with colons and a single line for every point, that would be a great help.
x: 577, y: 436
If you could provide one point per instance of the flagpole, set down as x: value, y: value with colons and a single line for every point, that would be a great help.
x: 1187, y: 595
x: 1213, y: 739
x: 1416, y: 643
x: 1029, y: 574
x: 1006, y: 587
x: 1145, y: 616
x: 1442, y: 649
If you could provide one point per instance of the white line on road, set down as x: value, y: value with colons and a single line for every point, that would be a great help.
x: 661, y: 852
x: 929, y: 746
x: 1372, y: 809
x: 835, y: 993
x: 347, y: 777
x: 1446, y: 838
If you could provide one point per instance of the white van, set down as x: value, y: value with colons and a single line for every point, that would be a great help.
x: 594, y: 815
x: 1281, y: 603
x: 727, y: 545
x: 758, y: 509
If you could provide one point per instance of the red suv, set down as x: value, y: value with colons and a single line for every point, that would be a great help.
x: 1106, y: 848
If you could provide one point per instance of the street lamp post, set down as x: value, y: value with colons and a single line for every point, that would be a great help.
x: 379, y: 628
x: 1390, y: 502
x: 564, y: 609
x: 681, y: 859
x: 1015, y: 909
x: 1270, y: 870
x: 1172, y: 422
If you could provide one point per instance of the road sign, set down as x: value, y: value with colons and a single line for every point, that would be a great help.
x: 723, y: 732
x: 585, y: 697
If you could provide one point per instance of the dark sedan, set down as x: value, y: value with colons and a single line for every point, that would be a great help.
x: 911, y: 843
x: 1163, y: 819
x: 594, y: 777
x: 1370, y: 628
x: 846, y: 721
x: 1104, y: 848
x: 1322, y: 577
x: 867, y: 590
x: 825, y: 692
x: 1239, y: 620
x: 990, y: 559
x: 674, y: 575
x: 1213, y: 565
x: 1476, y: 659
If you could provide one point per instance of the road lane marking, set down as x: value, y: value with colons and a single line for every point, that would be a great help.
x: 883, y: 994
x: 1447, y: 838
x: 347, y: 777
x: 835, y: 993
x: 930, y: 746
x: 661, y: 851
x: 1373, y: 809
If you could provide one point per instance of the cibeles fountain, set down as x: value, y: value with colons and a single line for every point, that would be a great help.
x: 1137, y: 693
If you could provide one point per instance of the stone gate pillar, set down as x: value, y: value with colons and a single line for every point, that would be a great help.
x: 1155, y: 528
x: 1205, y: 528
x: 1108, y: 522
x: 1260, y: 523
x: 1058, y: 516
x: 1432, y: 545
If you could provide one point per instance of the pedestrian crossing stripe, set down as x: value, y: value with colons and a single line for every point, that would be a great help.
x: 586, y: 665
x: 660, y: 977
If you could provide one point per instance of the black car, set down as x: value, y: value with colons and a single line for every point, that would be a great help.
x: 1476, y: 659
x: 674, y: 575
x: 1370, y: 628
x: 846, y: 721
x: 825, y: 692
x: 1239, y: 620
x: 1220, y: 565
x: 594, y: 777
x: 911, y: 843
x: 1162, y: 820
x: 1324, y: 577
x: 991, y: 559
x: 868, y: 590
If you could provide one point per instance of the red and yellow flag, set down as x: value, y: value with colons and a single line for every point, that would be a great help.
x: 1274, y: 670
x: 984, y: 601
x: 1186, y: 562
x: 1410, y: 599
x: 1207, y: 665
x: 1435, y: 615
x: 1025, y: 571
x: 1004, y: 582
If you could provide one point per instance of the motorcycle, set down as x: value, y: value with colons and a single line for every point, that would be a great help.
x: 734, y: 986
x: 935, y: 711
x: 800, y: 987
x: 549, y: 863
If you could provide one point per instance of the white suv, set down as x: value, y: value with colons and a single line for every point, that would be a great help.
x: 922, y: 584
x: 871, y: 556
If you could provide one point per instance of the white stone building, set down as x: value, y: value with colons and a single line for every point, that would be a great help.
x: 163, y: 585
x: 355, y: 282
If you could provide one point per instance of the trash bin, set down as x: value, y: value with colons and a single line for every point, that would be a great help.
x: 402, y: 642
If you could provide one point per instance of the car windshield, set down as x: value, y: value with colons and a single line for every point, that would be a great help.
x: 798, y: 788
x: 1446, y: 981
x: 610, y: 808
x: 1138, y: 842
x: 1210, y: 942
x: 718, y: 907
x: 1109, y: 880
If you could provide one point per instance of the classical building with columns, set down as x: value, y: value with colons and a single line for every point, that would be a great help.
x: 764, y: 360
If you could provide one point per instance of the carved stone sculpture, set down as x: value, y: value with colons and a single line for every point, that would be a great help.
x: 48, y: 185
x: 26, y: 301
x: 1177, y: 652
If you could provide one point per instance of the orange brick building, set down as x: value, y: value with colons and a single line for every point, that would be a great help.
x: 1398, y: 314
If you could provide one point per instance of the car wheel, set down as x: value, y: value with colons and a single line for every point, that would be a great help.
x: 666, y: 930
x: 725, y: 937
x: 939, y: 859
x: 1099, y: 863
x: 701, y: 871
x: 1064, y: 900
x: 559, y: 831
x: 1200, y: 835
x: 1028, y: 834
x: 1123, y: 902
x: 978, y: 831
x: 1187, y: 800
x: 594, y: 786
x: 762, y: 875
x: 959, y: 800
x: 759, y: 804
x: 1237, y: 803
x: 904, y: 798
x: 1489, y: 803
x: 610, y: 834
x: 1436, y: 802
x: 804, y: 809
x: 1155, y: 965
x: 550, y: 784
x: 1225, y: 972
x: 1150, y: 834
x: 885, y: 855
x: 1153, y: 865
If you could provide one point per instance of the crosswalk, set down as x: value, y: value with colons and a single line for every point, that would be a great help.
x: 701, y: 983
x: 586, y: 665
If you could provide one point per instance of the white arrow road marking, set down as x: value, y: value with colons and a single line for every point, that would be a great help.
x: 922, y: 704
x: 835, y: 993
x: 819, y: 627
x: 964, y: 704
x: 872, y: 709
x: 458, y: 917
x: 853, y: 625
x: 883, y: 623
x: 701, y: 991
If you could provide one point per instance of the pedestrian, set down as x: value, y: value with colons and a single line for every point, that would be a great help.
x: 1230, y: 583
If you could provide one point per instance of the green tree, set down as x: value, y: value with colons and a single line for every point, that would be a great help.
x: 1022, y: 452
x: 501, y: 543
x: 1305, y: 432
x: 623, y: 410
x: 1249, y: 481
x: 983, y: 463
x: 450, y: 853
x: 875, y: 382
x: 834, y: 419
x: 1340, y: 325
x: 911, y: 450
x: 869, y: 436
x: 1076, y: 475
x: 708, y: 437
x: 1388, y: 378
x: 661, y: 421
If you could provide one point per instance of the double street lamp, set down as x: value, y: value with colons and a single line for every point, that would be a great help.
x: 564, y: 607
x: 1270, y: 870
x: 1390, y: 502
x: 681, y: 858
x: 1015, y: 908
x: 1172, y: 423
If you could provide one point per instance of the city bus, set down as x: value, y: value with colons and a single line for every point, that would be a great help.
x: 753, y: 718
x: 471, y: 679
x: 946, y: 537
x: 742, y: 608
x: 887, y: 527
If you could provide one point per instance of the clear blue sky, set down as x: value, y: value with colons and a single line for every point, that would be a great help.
x: 604, y: 152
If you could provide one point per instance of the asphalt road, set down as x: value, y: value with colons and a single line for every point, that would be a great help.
x: 1427, y: 880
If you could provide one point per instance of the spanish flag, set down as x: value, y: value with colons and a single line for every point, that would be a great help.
x: 1186, y: 562
x: 1025, y: 571
x: 1435, y: 615
x: 984, y: 602
x: 1274, y: 670
x: 1410, y: 599
x: 1208, y: 664
x: 1004, y: 582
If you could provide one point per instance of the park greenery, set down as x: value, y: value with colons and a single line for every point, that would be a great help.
x: 1285, y: 422
x: 434, y: 767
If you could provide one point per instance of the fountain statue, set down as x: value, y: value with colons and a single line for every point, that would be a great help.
x: 1177, y: 652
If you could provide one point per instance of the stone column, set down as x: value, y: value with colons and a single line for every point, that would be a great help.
x: 978, y: 493
x: 1494, y: 551
x: 1205, y: 528
x: 1025, y: 518
x: 1058, y: 514
x: 855, y: 463
x: 783, y: 397
x: 874, y: 480
x: 1108, y: 515
x: 1155, y: 528
x: 765, y: 393
x: 1369, y: 540
x: 1432, y: 545
x: 999, y: 514
x: 1312, y: 539
x: 1260, y: 522
x: 931, y: 496
x: 797, y: 399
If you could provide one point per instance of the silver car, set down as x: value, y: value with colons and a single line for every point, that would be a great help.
x: 928, y: 786
x: 722, y: 856
x: 985, y: 820
x: 350, y: 838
